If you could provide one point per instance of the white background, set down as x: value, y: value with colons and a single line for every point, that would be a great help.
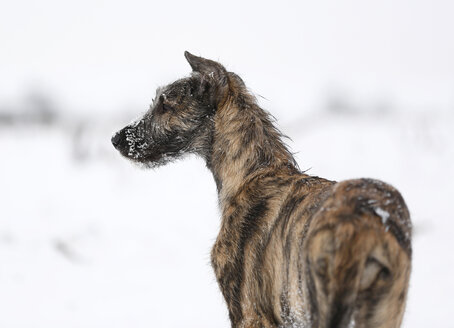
x: 88, y: 240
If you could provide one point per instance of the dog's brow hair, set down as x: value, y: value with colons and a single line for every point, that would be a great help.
x: 159, y: 92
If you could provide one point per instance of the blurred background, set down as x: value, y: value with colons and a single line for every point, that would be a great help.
x: 364, y: 89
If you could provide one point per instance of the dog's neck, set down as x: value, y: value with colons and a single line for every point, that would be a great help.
x: 245, y: 143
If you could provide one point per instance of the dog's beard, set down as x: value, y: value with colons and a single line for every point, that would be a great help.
x: 153, y: 162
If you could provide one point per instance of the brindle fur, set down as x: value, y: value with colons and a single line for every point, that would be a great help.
x: 293, y: 250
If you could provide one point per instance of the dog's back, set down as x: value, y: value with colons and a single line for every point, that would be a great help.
x: 315, y: 253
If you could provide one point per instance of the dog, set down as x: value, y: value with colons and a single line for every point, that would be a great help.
x: 293, y: 250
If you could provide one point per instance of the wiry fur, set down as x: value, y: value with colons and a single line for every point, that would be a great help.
x: 293, y: 250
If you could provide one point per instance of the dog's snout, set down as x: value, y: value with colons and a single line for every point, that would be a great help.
x: 116, y: 139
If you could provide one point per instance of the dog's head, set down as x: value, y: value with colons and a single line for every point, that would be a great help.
x: 180, y: 119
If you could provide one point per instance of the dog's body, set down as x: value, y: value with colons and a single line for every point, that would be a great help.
x: 294, y: 250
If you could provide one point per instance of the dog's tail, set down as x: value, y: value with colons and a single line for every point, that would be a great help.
x: 358, y: 257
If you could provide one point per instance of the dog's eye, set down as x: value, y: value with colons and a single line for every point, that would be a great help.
x: 162, y: 108
x: 166, y: 108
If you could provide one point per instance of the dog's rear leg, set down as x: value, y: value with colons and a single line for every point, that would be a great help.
x: 357, y: 275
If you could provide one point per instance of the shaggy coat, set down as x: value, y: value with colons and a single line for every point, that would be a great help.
x: 293, y: 250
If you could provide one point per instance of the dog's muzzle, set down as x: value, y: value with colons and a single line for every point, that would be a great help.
x: 116, y: 139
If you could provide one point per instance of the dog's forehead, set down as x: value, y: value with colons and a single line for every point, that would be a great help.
x: 177, y: 88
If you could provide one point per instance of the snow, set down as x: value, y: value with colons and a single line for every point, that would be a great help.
x: 99, y: 243
x: 89, y: 245
x: 382, y: 213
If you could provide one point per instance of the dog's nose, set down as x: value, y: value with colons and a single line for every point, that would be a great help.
x: 116, y: 139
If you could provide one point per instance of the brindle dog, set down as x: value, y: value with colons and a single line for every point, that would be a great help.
x: 293, y: 250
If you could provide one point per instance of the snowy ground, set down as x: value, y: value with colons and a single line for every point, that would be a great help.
x: 92, y: 241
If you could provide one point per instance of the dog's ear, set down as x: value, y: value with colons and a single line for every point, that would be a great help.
x: 206, y: 67
x: 213, y: 76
